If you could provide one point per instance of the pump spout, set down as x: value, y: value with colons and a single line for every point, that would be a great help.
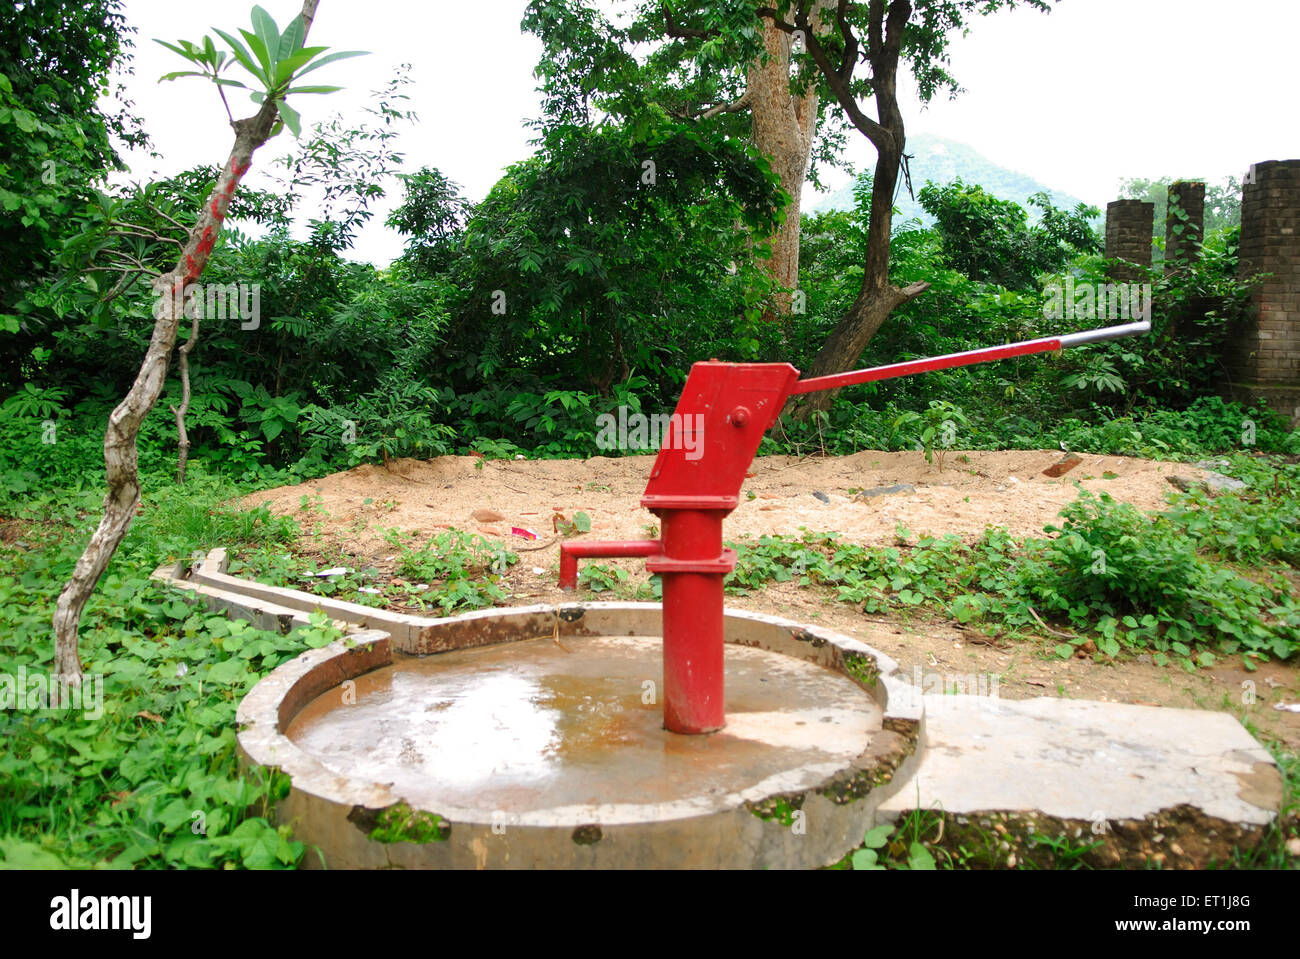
x: 570, y: 553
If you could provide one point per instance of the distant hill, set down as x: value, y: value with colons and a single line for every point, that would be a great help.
x: 943, y: 161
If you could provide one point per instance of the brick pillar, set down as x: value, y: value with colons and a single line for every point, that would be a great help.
x: 1184, y: 245
x: 1128, y: 237
x: 1265, y: 365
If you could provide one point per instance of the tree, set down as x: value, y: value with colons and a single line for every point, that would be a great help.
x: 879, y: 34
x: 591, y: 259
x: 60, y: 55
x: 275, y: 60
x: 710, y: 63
x: 433, y: 214
x: 784, y: 110
x: 56, y: 141
x: 704, y: 75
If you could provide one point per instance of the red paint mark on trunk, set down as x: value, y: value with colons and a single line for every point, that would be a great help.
x: 220, y: 203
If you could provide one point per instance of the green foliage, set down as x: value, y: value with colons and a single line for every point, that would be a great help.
x: 613, y: 277
x: 463, y: 570
x: 1258, y: 525
x: 401, y: 823
x: 1139, y: 581
x: 600, y: 578
x: 396, y: 419
x: 59, y: 63
x: 154, y: 781
x: 901, y: 847
x: 581, y: 523
x: 1198, y: 310
x: 938, y: 427
x: 1222, y: 204
x: 990, y: 240
x: 610, y: 251
x: 1119, y: 579
x: 275, y: 60
x: 773, y: 559
x: 433, y: 214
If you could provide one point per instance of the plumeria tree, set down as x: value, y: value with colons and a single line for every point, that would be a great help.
x: 276, y: 61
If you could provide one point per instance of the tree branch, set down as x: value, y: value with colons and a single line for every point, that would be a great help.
x: 735, y: 106
x: 880, y: 137
x: 900, y: 11
x: 771, y: 14
x: 671, y: 28
x: 129, y: 260
x: 182, y: 435
x: 875, y: 26
x: 124, y: 283
x: 147, y: 234
x: 849, y: 59
x: 157, y: 211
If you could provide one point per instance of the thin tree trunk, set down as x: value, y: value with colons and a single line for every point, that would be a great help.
x: 182, y: 435
x: 878, y: 297
x: 120, y: 451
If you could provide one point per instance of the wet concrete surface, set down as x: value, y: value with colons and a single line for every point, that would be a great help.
x: 532, y: 727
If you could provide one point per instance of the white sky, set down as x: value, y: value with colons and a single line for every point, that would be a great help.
x: 1093, y: 92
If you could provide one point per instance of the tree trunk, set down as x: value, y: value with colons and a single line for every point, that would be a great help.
x: 784, y: 129
x: 877, y: 297
x: 120, y: 451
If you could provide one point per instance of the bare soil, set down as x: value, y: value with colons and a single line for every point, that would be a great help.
x: 347, y: 514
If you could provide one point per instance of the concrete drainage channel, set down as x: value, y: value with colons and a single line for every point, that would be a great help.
x: 530, y: 737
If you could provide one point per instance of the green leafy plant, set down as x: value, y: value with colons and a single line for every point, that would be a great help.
x: 463, y: 570
x: 581, y: 523
x: 401, y: 823
x: 276, y: 60
x: 600, y: 578
x: 155, y: 782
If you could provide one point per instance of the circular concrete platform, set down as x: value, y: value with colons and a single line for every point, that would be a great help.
x: 512, y: 749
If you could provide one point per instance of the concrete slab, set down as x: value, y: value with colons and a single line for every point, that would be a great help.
x: 1087, y: 761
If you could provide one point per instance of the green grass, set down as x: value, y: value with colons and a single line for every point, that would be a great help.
x: 153, y: 781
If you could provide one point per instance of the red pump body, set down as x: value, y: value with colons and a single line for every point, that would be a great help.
x: 728, y: 407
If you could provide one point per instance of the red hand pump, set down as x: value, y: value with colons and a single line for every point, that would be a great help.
x: 724, y: 411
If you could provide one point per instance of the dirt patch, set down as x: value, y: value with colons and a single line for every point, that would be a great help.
x: 1025, y: 670
x: 1179, y: 838
x: 974, y: 490
x: 348, y: 513
x: 13, y: 530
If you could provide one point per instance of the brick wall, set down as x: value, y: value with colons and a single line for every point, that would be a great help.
x: 1265, y: 363
x: 1128, y: 237
x: 1184, y: 245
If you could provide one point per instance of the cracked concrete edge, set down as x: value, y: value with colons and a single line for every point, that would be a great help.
x: 735, y: 839
x: 282, y: 692
x: 1170, y: 833
x: 269, y: 616
x: 271, y: 704
x: 338, y: 815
